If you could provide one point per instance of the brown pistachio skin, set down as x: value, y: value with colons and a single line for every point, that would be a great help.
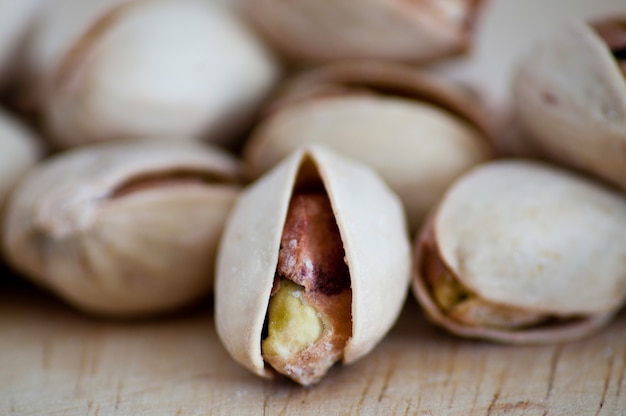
x: 311, y: 252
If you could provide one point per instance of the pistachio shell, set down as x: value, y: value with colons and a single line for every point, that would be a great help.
x: 418, y: 133
x: 372, y: 227
x: 570, y: 96
x: 506, y: 29
x: 149, y: 68
x: 61, y: 26
x: 310, y: 31
x: 19, y: 151
x: 123, y: 229
x: 523, y: 235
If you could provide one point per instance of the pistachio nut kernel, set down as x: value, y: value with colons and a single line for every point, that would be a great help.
x: 309, y: 319
x: 293, y: 324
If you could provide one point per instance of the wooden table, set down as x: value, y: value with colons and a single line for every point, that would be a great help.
x: 55, y: 361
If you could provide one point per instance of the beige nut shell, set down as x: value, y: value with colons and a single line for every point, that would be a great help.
x: 418, y: 132
x: 150, y: 68
x: 570, y: 96
x: 373, y: 230
x: 526, y: 235
x: 313, y: 32
x: 142, y: 252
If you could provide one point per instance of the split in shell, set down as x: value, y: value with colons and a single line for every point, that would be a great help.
x: 124, y: 229
x: 313, y: 266
x: 522, y: 252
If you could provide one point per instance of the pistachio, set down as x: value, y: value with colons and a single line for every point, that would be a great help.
x: 416, y: 131
x: 147, y: 68
x: 313, y: 32
x: 506, y: 29
x: 570, y: 99
x: 523, y: 252
x: 312, y: 268
x: 19, y: 151
x: 123, y: 229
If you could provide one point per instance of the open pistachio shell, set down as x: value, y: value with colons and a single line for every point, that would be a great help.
x: 522, y: 252
x: 570, y: 97
x: 372, y: 229
x: 19, y: 151
x: 123, y: 229
x: 147, y: 68
x: 312, y: 32
x: 416, y: 131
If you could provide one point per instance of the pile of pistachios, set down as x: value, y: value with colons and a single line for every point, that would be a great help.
x: 308, y: 163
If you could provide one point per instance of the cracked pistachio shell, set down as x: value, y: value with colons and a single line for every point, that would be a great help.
x: 372, y: 227
x: 529, y: 236
x: 147, y: 68
x: 122, y: 229
x: 416, y: 131
x: 570, y: 97
x: 313, y: 32
x: 19, y: 151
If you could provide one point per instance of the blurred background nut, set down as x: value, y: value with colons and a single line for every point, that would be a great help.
x: 504, y: 30
x: 313, y: 32
x: 416, y: 131
x: 123, y: 229
x: 16, y: 19
x: 570, y: 97
x: 521, y: 252
x: 19, y: 151
x: 313, y: 266
x: 116, y: 69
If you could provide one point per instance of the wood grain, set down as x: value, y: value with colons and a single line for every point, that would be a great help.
x: 55, y: 361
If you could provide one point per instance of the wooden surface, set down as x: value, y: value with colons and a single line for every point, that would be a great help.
x: 55, y: 361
